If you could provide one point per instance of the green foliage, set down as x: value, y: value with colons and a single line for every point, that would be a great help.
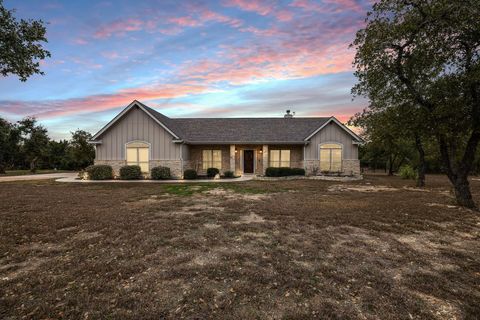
x: 80, y: 153
x: 9, y: 144
x: 34, y: 140
x: 229, y: 174
x: 160, y: 173
x: 190, y: 174
x: 423, y: 58
x: 284, y: 171
x: 407, y: 172
x: 130, y: 173
x: 99, y: 172
x: 20, y: 45
x: 212, y: 172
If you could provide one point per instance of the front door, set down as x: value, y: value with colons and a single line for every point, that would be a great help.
x: 248, y: 161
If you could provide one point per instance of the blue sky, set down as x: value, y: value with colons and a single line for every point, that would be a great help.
x: 188, y: 59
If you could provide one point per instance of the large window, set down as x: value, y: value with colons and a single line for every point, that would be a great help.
x: 279, y: 158
x: 137, y: 155
x: 212, y: 159
x: 331, y: 157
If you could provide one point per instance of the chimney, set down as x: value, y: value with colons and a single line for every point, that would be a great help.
x: 289, y: 115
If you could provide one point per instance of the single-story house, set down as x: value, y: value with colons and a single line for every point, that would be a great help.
x: 139, y: 135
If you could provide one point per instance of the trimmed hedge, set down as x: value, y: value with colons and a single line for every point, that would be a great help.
x: 212, y: 172
x: 130, y: 173
x: 284, y: 172
x: 161, y: 173
x: 229, y: 174
x: 190, y: 174
x: 99, y: 172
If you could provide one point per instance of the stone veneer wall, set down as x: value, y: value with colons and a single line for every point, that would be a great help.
x: 195, y: 161
x: 115, y: 164
x: 174, y: 165
x: 349, y: 167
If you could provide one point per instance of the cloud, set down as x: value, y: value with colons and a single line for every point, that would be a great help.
x: 54, y: 108
x: 119, y: 28
x: 261, y: 7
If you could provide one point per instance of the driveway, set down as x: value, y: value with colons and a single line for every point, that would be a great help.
x: 45, y: 176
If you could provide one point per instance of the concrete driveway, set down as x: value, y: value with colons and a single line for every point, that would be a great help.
x: 45, y: 176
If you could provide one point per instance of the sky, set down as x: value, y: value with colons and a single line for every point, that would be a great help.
x: 225, y: 58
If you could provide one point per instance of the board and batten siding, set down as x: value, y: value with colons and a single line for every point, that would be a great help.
x: 332, y: 132
x: 137, y: 125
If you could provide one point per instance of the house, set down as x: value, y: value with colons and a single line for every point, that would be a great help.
x: 142, y: 136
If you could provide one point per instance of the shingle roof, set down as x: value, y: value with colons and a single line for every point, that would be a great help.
x: 244, y: 130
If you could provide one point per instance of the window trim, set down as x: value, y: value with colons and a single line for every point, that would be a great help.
x: 342, y: 148
x: 280, y: 157
x: 212, y: 161
x: 149, y: 152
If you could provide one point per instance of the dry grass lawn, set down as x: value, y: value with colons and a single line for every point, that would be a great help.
x: 374, y: 249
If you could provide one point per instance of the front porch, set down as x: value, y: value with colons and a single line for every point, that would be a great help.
x: 242, y: 159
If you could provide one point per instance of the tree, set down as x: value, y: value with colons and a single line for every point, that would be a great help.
x: 57, y: 155
x: 426, y: 54
x: 396, y: 132
x: 9, y: 139
x: 20, y: 45
x: 35, y: 141
x: 81, y: 153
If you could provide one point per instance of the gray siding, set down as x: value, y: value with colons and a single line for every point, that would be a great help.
x: 137, y: 125
x: 331, y: 133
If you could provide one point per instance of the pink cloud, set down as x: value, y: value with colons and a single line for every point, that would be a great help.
x: 185, y: 21
x: 80, y: 41
x: 110, y: 54
x: 118, y: 27
x: 261, y: 7
x: 94, y: 103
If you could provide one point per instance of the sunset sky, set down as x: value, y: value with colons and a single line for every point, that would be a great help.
x: 225, y: 58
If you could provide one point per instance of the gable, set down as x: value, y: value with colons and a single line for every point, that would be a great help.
x: 135, y: 105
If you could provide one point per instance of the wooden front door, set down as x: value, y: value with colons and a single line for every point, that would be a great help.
x: 248, y: 161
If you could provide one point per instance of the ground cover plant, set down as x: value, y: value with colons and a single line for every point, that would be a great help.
x: 373, y: 249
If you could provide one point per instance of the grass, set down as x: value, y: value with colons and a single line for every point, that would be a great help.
x: 298, y: 249
x: 27, y: 172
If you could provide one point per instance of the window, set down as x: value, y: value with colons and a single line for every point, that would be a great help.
x: 137, y: 155
x: 212, y: 159
x: 279, y: 158
x: 331, y: 157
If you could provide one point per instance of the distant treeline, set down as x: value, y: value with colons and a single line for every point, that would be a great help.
x: 26, y: 145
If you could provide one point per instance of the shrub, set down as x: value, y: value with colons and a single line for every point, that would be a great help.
x: 160, y: 173
x: 99, y: 172
x: 190, y: 174
x: 229, y: 174
x: 130, y: 173
x: 407, y: 172
x: 212, y: 172
x: 284, y: 172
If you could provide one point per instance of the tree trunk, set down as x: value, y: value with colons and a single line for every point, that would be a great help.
x: 462, y: 192
x: 2, y: 168
x: 33, y: 165
x: 421, y: 162
x: 391, y: 163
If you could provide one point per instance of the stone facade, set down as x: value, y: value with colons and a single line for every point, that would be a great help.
x: 115, y: 164
x: 349, y: 167
x: 174, y: 165
x: 195, y: 162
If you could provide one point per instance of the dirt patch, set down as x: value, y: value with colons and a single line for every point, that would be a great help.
x: 248, y: 250
x: 360, y: 188
x: 250, y: 218
x: 84, y: 235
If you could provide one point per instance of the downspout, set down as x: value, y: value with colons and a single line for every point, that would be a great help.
x: 181, y: 159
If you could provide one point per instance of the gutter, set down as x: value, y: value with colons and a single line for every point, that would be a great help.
x: 246, y: 142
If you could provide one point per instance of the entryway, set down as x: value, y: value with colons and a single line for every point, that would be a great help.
x: 248, y: 161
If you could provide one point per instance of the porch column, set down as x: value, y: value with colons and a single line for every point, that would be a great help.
x: 264, y: 157
x: 232, y: 158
